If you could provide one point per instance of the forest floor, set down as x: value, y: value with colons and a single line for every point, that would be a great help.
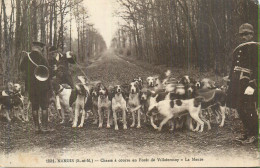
x: 19, y: 145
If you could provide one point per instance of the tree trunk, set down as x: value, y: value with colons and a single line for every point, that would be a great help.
x: 43, y: 34
x: 51, y: 20
x: 61, y: 37
x: 55, y: 23
x: 1, y: 30
x: 7, y: 67
x: 18, y: 22
x: 34, y: 20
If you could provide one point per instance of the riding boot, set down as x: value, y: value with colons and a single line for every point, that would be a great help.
x: 45, y: 128
x: 36, y: 121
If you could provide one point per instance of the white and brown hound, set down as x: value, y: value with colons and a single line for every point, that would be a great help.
x: 176, y: 108
x: 134, y: 104
x: 206, y: 83
x: 94, y: 93
x: 6, y: 101
x: 150, y: 81
x: 215, y: 100
x: 145, y: 95
x: 19, y: 103
x: 119, y: 105
x: 139, y: 81
x: 68, y: 96
x: 104, y: 106
x: 11, y: 99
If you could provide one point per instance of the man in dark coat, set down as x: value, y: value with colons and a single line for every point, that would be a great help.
x: 243, y: 86
x: 59, y: 64
x: 38, y: 89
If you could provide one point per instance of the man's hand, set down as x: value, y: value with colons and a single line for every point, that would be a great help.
x: 249, y: 91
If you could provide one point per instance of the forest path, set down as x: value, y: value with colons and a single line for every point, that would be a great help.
x: 214, y: 147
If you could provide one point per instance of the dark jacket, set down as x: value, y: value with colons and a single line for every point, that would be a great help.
x: 243, y: 73
x: 38, y: 90
x: 63, y: 75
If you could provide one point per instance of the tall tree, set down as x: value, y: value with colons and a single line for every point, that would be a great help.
x: 7, y: 67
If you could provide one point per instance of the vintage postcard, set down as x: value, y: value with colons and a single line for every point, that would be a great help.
x: 129, y: 83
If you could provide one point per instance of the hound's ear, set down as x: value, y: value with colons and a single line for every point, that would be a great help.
x: 155, y: 78
x: 182, y: 80
x: 126, y: 92
x: 106, y: 91
x: 192, y: 80
x: 149, y: 93
x: 212, y: 84
x: 172, y: 103
x: 110, y: 92
x: 137, y: 89
x: 110, y: 96
x: 98, y: 85
x: 113, y: 92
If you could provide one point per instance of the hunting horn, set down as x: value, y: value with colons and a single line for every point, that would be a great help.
x: 41, y: 72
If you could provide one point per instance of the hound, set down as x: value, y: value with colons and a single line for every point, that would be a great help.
x: 119, y: 104
x: 176, y: 108
x: 68, y: 96
x: 104, y: 106
x: 19, y: 103
x: 134, y: 104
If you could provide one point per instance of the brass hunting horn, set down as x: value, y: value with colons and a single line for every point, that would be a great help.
x: 41, y: 72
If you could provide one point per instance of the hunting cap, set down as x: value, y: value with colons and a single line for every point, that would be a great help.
x: 38, y: 44
x: 246, y: 27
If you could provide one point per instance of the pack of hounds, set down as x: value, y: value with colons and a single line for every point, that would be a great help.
x: 184, y: 103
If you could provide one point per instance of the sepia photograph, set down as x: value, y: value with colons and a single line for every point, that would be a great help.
x: 129, y: 83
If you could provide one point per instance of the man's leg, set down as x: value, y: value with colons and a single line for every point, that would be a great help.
x: 44, y: 106
x: 242, y: 110
x: 35, y: 114
x: 243, y: 117
x: 252, y: 122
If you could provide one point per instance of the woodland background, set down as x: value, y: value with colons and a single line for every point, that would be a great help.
x: 190, y: 34
x: 184, y: 33
x: 47, y: 21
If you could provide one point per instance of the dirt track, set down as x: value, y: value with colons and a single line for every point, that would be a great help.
x: 18, y: 139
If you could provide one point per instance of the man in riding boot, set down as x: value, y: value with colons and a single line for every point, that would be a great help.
x: 243, y: 84
x: 38, y: 89
x: 60, y: 70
